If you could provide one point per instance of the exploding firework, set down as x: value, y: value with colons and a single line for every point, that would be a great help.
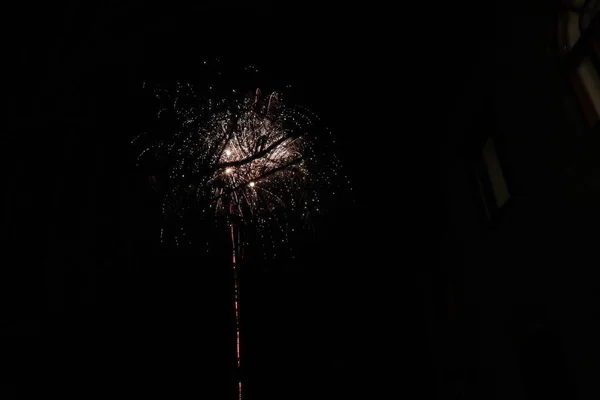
x: 248, y: 161
x: 252, y: 158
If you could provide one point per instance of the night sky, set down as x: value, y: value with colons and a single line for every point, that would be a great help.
x: 82, y: 265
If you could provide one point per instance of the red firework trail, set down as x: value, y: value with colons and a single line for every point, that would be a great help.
x: 236, y: 297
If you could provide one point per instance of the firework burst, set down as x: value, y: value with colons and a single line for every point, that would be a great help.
x: 242, y: 161
x: 252, y: 157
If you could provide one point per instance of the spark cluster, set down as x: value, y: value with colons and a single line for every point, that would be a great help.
x: 251, y: 158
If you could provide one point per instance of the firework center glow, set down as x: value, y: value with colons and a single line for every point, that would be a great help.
x: 247, y: 156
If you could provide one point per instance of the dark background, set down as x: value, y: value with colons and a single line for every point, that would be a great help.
x: 80, y: 230
x: 82, y: 267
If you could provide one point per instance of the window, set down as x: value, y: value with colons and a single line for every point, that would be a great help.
x: 491, y: 184
x: 579, y: 46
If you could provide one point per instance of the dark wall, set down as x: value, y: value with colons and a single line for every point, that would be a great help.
x: 527, y: 292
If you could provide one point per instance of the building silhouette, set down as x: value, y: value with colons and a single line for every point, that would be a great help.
x: 514, y: 309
